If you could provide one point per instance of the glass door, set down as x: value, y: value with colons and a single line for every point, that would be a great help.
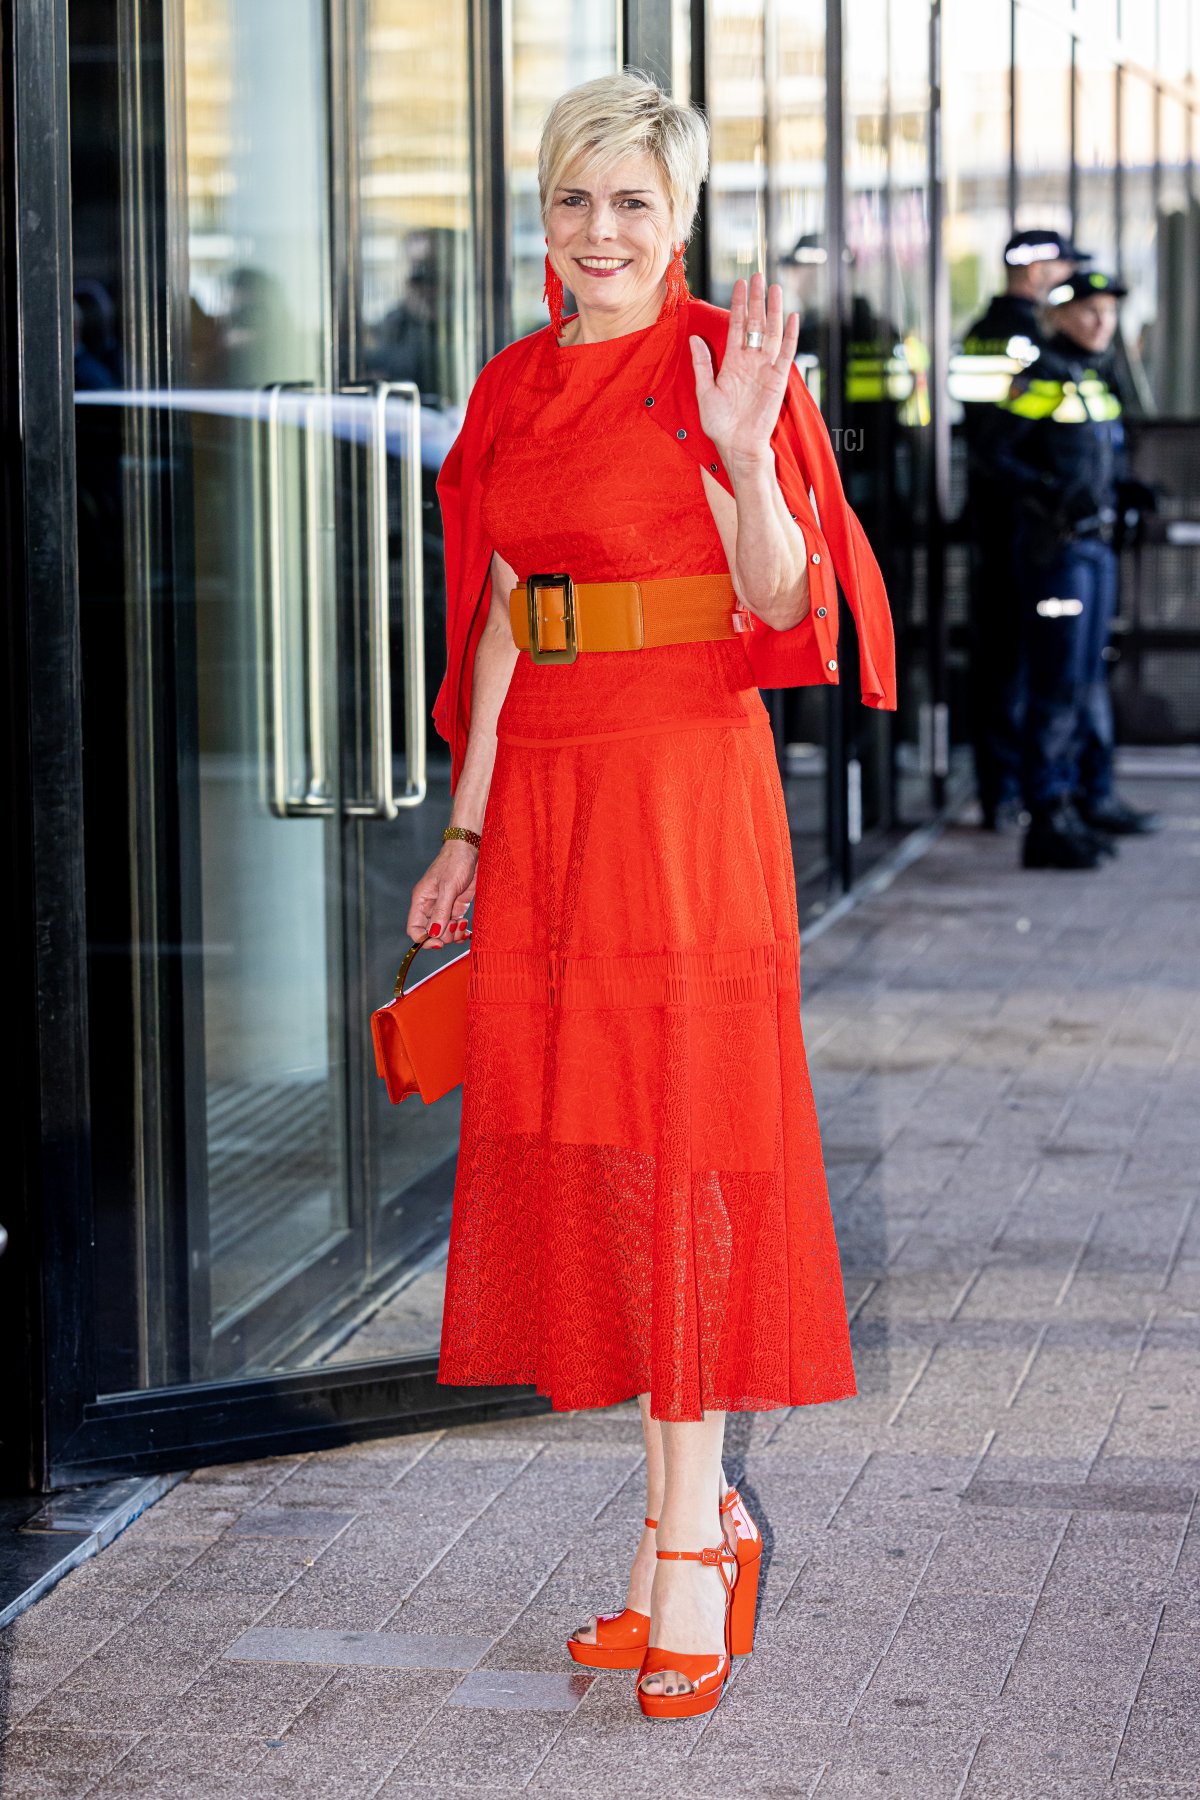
x: 272, y: 1222
x: 274, y: 282
x: 409, y: 330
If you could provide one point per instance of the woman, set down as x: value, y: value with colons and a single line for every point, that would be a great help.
x: 640, y: 1205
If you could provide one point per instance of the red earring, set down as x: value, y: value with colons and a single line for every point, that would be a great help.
x: 677, y: 287
x: 552, y: 294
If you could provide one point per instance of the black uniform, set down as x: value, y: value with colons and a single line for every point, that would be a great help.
x: 999, y: 346
x: 1063, y: 457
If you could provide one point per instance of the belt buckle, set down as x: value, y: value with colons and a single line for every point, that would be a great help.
x: 567, y: 586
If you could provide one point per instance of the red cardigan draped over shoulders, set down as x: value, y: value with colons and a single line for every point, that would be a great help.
x: 803, y: 656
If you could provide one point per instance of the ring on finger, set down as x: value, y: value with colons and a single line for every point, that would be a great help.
x: 754, y: 338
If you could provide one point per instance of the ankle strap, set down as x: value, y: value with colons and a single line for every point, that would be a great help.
x: 718, y: 1554
x: 652, y: 1524
x: 717, y: 1557
x: 730, y: 1501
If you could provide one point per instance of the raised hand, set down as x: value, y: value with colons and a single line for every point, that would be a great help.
x: 739, y: 404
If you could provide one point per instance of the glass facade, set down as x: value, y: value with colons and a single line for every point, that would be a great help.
x: 1042, y: 125
x: 1137, y: 242
x: 977, y: 140
x: 288, y: 235
x: 1096, y: 165
x: 554, y: 47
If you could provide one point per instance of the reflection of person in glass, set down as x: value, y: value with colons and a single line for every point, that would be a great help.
x: 407, y: 344
x: 97, y: 353
x: 1001, y: 342
x: 1063, y: 461
x: 885, y: 367
x: 258, y: 337
x: 640, y: 1206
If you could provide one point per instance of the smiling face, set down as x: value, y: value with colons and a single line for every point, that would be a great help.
x: 609, y: 238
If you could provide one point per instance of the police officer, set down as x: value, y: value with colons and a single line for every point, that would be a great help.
x: 1063, y: 459
x: 999, y: 345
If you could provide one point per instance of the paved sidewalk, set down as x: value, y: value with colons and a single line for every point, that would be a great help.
x: 984, y: 1572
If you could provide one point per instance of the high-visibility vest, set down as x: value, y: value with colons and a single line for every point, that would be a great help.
x: 982, y: 372
x: 1065, y: 402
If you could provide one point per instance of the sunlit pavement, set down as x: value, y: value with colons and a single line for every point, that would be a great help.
x: 984, y: 1572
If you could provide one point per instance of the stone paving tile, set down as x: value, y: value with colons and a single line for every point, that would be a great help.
x: 363, y: 1649
x: 955, y: 1649
x: 376, y: 1706
x: 341, y: 1772
x: 874, y: 1763
x: 495, y: 1749
x: 162, y: 1763
x: 1084, y: 1659
x: 248, y: 1697
x: 1027, y: 1739
x: 981, y: 1575
x: 57, y: 1765
x: 522, y: 1690
x: 607, y: 1744
x: 319, y: 1601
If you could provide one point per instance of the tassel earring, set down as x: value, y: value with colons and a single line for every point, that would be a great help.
x: 552, y: 294
x: 677, y: 287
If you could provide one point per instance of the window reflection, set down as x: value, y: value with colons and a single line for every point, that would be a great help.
x: 886, y: 397
x: 1139, y: 27
x: 1043, y: 107
x: 257, y: 269
x: 867, y: 163
x: 1178, y: 37
x: 1138, y: 233
x: 799, y: 262
x: 798, y: 248
x: 555, y: 46
x: 975, y: 100
x: 1173, y: 370
x: 1098, y: 16
x: 681, y: 50
x: 1096, y: 153
x: 414, y: 190
x: 737, y: 108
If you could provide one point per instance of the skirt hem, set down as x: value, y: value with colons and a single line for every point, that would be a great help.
x: 815, y: 1396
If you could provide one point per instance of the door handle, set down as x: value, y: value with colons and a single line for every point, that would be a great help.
x: 316, y: 801
x: 383, y: 802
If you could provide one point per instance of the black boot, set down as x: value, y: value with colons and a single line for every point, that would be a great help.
x: 1117, y: 818
x: 1102, y: 841
x: 1056, y: 840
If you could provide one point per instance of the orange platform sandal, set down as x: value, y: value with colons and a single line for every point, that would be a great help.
x: 749, y: 1558
x: 708, y: 1671
x: 621, y: 1637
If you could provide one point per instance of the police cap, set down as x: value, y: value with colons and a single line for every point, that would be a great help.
x: 1083, y: 284
x: 808, y: 249
x: 1025, y: 247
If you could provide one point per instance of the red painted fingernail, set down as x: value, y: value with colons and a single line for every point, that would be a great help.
x: 434, y: 930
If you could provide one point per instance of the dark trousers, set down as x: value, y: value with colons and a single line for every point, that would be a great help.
x: 1067, y: 606
x: 997, y: 675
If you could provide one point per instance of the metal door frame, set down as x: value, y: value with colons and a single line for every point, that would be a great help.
x: 67, y: 1432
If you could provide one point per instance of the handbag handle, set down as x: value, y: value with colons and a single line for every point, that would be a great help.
x: 398, y: 990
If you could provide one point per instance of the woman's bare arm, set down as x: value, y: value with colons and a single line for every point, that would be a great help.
x: 768, y: 558
x: 739, y: 408
x: 441, y: 898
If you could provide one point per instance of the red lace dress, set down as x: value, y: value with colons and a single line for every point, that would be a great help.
x: 640, y: 1203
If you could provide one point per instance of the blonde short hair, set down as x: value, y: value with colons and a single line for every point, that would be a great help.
x: 627, y: 114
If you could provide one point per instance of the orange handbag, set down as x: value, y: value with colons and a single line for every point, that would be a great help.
x: 420, y: 1039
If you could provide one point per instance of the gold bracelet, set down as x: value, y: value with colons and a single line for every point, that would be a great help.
x: 460, y: 831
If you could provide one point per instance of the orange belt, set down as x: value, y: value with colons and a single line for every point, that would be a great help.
x: 554, y: 618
